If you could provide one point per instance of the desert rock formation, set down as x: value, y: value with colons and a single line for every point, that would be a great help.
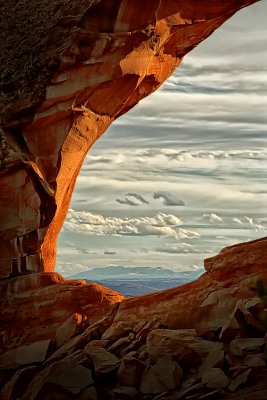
x: 68, y: 69
x: 203, y: 340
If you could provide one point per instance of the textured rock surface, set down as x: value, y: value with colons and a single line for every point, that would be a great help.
x: 63, y: 81
x: 35, y: 306
x: 67, y: 72
x: 145, y: 365
x: 165, y: 375
x: 206, y: 303
x: 139, y: 346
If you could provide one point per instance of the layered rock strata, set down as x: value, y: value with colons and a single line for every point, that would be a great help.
x: 68, y: 70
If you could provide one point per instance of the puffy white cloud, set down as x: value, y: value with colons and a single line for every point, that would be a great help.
x: 213, y: 218
x: 96, y: 224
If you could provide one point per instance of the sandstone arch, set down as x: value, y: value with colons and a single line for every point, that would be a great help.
x: 61, y: 68
x: 68, y: 71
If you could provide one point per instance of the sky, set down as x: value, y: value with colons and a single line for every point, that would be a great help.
x: 183, y: 174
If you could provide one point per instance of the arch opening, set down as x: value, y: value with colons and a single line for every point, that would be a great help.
x: 173, y: 181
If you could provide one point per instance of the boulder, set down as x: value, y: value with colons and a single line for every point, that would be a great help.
x: 162, y: 342
x: 33, y: 353
x: 120, y: 344
x: 102, y: 360
x: 165, y: 375
x: 88, y: 394
x: 215, y: 378
x: 116, y: 331
x: 66, y: 374
x: 215, y: 359
x: 255, y: 360
x: 239, y: 379
x: 72, y: 378
x: 242, y: 346
x: 93, y: 332
x: 68, y: 329
x: 130, y: 371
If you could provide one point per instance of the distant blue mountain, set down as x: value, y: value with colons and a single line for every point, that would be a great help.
x: 135, y: 281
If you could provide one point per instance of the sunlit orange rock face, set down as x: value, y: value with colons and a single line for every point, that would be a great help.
x: 207, y: 303
x: 35, y: 306
x: 69, y: 69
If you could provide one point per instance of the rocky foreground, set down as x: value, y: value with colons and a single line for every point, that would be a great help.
x: 203, y: 340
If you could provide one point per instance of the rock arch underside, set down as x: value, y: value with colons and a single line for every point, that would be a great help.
x: 68, y: 70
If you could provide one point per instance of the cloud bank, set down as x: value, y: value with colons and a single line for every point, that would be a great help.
x: 161, y: 225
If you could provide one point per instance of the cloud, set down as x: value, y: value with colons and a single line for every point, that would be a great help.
x: 130, y: 202
x: 213, y: 218
x: 138, y: 197
x: 165, y: 225
x: 127, y: 202
x: 110, y: 253
x: 179, y: 248
x: 257, y: 227
x: 168, y: 199
x: 237, y: 220
x: 249, y: 223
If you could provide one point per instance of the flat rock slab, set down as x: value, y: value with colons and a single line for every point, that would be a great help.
x: 23, y: 355
x: 73, y: 378
x: 161, y: 342
x: 103, y: 361
x: 241, y: 346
